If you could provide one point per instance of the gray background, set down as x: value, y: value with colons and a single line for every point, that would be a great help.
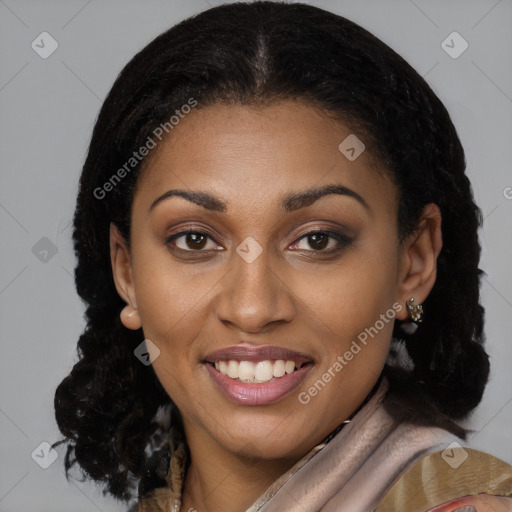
x: 48, y: 107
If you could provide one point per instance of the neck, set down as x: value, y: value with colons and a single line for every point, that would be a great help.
x: 216, y: 481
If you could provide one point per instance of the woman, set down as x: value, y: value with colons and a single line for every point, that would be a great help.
x: 277, y: 246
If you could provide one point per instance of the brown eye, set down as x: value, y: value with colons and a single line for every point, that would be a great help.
x: 318, y: 241
x: 195, y: 240
x: 190, y: 241
x: 322, y: 241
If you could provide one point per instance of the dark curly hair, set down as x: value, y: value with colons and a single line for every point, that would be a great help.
x: 257, y: 54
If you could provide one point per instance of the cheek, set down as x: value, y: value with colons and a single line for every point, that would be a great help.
x: 171, y: 307
x: 349, y: 296
x: 352, y: 307
x: 169, y: 294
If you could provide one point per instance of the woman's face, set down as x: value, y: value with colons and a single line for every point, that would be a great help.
x: 255, y: 284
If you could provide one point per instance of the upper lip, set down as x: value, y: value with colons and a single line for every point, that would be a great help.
x: 246, y: 352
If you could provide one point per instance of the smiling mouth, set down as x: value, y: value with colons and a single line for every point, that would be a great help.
x: 255, y: 372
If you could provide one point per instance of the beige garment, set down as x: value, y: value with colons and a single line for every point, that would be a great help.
x: 442, y: 476
x: 351, y: 472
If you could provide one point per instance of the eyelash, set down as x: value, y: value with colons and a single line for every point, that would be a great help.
x: 343, y: 242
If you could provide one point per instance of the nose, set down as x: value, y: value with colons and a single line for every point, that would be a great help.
x: 252, y: 296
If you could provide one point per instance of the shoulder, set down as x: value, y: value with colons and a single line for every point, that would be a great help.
x: 452, y: 478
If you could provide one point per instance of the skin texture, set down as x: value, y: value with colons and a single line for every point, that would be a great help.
x: 250, y: 158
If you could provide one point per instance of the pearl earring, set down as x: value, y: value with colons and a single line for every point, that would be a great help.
x: 130, y: 317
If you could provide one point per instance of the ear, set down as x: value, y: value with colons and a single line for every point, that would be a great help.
x: 122, y: 272
x: 418, y: 259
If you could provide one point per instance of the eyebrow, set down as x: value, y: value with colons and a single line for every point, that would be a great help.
x: 290, y: 202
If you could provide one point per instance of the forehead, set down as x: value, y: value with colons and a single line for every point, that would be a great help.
x: 258, y: 153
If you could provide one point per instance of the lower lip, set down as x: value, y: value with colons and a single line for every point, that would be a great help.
x: 258, y: 394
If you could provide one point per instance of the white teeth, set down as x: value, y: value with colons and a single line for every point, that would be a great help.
x: 233, y: 369
x: 262, y: 371
x: 279, y: 370
x: 246, y: 370
x: 289, y: 367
